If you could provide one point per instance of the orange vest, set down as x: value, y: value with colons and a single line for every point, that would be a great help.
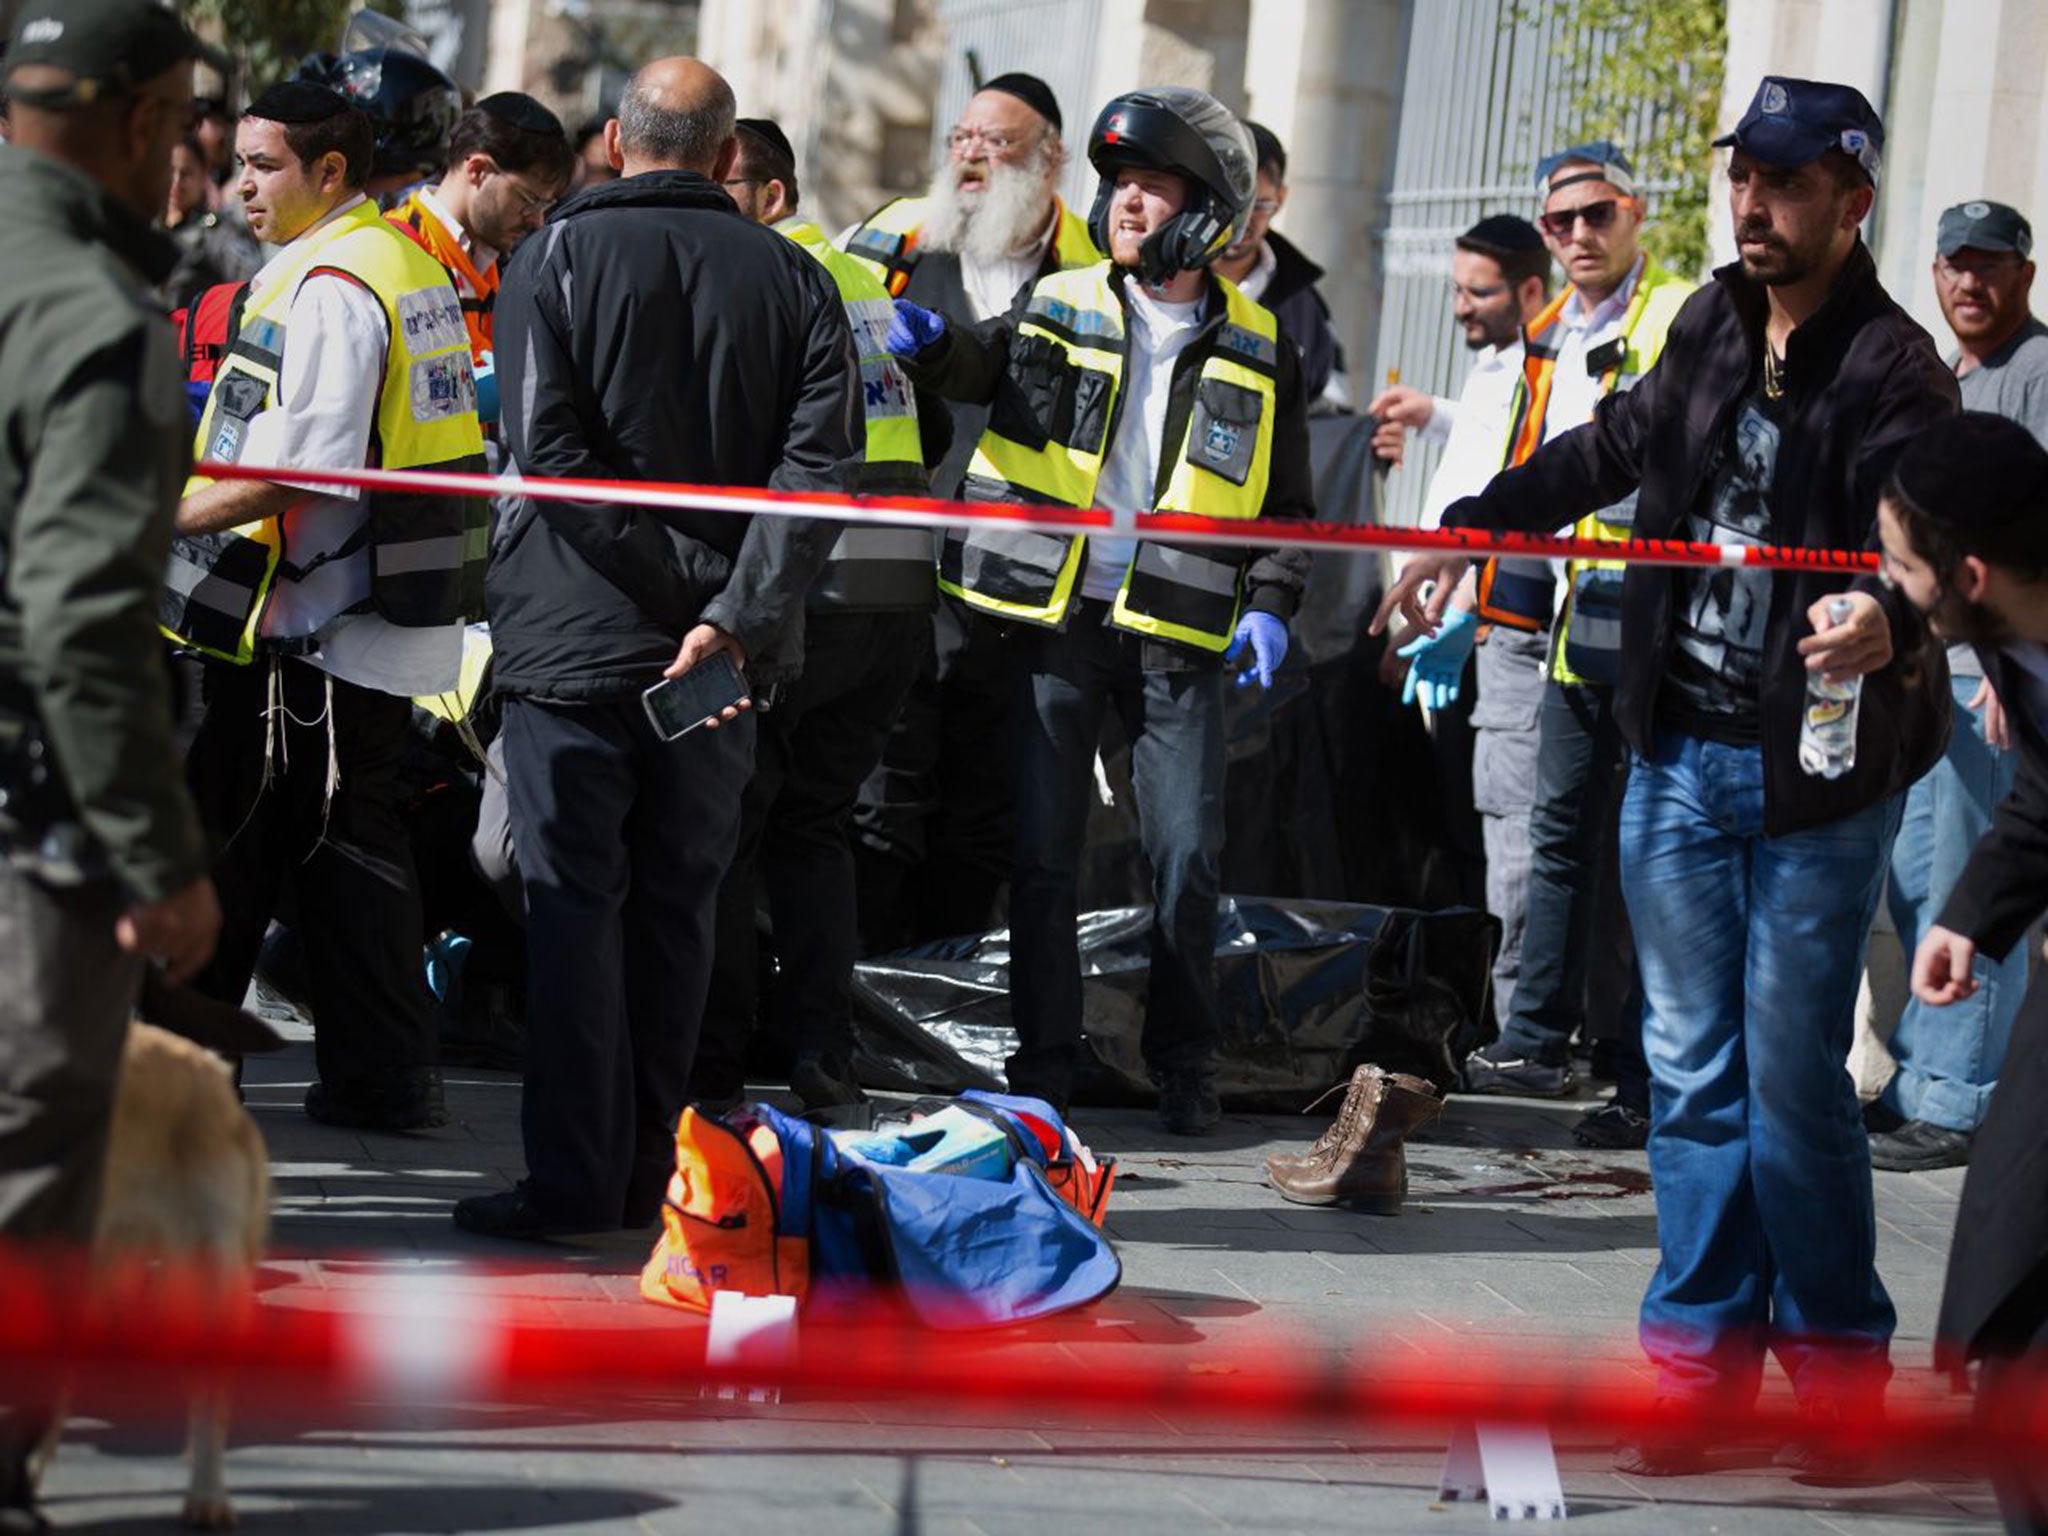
x: 478, y: 290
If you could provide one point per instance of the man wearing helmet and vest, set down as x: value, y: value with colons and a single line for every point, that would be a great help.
x: 1142, y: 384
x: 320, y: 610
x: 865, y: 627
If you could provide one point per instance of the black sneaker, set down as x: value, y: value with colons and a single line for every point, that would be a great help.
x: 1613, y: 1128
x: 412, y: 1100
x: 1518, y: 1076
x: 1188, y: 1105
x: 1917, y: 1146
x: 509, y: 1213
x: 1879, y: 1118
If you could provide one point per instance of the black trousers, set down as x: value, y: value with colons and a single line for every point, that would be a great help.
x: 344, y: 853
x: 623, y: 839
x: 936, y: 823
x: 811, y: 753
x: 1576, y: 931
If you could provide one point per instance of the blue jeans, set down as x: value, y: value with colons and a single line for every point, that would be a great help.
x: 1949, y: 1057
x: 1067, y: 681
x: 1751, y: 948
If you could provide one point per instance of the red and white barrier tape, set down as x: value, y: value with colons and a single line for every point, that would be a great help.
x: 1264, y: 533
x: 142, y: 1336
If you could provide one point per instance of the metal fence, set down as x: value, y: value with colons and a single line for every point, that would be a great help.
x: 1488, y: 93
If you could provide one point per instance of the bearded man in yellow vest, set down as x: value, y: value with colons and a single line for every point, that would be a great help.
x: 319, y: 611
x: 934, y: 824
x: 866, y: 622
x: 1142, y: 384
x: 1598, y: 336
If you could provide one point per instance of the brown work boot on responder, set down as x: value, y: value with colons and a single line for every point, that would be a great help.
x: 1359, y: 1161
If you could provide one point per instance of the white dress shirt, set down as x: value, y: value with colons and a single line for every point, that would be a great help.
x: 321, y: 418
x: 1573, y: 391
x: 1475, y: 431
x: 1159, y: 332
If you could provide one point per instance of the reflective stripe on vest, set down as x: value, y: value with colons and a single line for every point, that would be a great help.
x: 425, y: 554
x: 888, y: 241
x: 1048, y: 435
x: 874, y: 568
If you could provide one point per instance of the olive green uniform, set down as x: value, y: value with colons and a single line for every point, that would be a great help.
x: 94, y: 449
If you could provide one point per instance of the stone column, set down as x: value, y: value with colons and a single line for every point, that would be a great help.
x: 1325, y: 75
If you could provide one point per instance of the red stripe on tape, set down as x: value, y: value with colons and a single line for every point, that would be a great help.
x: 1259, y: 533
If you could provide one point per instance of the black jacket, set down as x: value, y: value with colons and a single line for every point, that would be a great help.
x: 1299, y: 307
x: 974, y: 363
x: 1860, y: 379
x: 951, y: 429
x: 1995, y: 1299
x: 649, y: 332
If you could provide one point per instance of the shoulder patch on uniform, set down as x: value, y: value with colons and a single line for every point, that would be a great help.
x: 431, y: 320
x: 442, y: 387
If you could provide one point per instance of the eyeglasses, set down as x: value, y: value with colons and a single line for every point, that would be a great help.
x: 1478, y: 295
x: 1265, y: 205
x: 995, y: 143
x: 744, y: 181
x: 530, y: 201
x: 1597, y: 216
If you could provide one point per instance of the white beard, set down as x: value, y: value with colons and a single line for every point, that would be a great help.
x: 1003, y: 222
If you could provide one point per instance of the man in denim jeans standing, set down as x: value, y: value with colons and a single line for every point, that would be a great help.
x: 1786, y: 389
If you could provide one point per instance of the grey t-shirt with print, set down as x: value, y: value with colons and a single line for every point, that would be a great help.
x: 2011, y: 382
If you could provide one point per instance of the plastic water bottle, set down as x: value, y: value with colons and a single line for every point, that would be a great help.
x: 1827, y: 731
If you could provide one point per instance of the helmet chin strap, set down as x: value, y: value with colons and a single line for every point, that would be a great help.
x: 1155, y: 267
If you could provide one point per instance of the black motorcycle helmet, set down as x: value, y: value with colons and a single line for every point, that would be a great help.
x: 1191, y: 133
x: 384, y: 70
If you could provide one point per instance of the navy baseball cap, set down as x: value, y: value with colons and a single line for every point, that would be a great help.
x: 1983, y: 226
x: 1615, y: 169
x: 1791, y: 123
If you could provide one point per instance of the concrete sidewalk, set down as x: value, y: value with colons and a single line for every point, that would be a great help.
x: 1513, y: 1239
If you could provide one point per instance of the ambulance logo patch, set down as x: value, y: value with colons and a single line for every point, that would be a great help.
x: 442, y: 387
x: 1220, y: 444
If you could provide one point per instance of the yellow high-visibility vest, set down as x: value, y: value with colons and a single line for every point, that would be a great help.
x: 872, y: 567
x: 425, y: 553
x: 1588, y: 631
x: 1047, y: 439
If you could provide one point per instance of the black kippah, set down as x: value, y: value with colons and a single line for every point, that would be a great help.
x: 521, y: 111
x: 1505, y: 232
x: 769, y: 132
x: 1975, y: 472
x: 298, y: 101
x: 1033, y: 92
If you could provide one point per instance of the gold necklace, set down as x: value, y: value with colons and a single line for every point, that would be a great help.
x: 1774, y: 374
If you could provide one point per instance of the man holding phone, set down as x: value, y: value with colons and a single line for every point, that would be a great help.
x: 624, y: 829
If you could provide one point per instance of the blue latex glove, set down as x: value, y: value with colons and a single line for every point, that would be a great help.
x: 195, y: 397
x: 487, y: 388
x: 1436, y: 663
x: 912, y: 329
x: 1267, y: 637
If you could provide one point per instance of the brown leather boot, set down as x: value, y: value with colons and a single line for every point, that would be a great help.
x: 1359, y: 1161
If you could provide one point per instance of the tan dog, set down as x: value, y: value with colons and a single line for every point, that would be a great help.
x: 187, y: 1182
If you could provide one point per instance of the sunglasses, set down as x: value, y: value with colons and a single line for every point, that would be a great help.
x: 1597, y: 216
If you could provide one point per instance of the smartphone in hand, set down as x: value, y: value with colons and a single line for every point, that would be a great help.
x: 676, y: 706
